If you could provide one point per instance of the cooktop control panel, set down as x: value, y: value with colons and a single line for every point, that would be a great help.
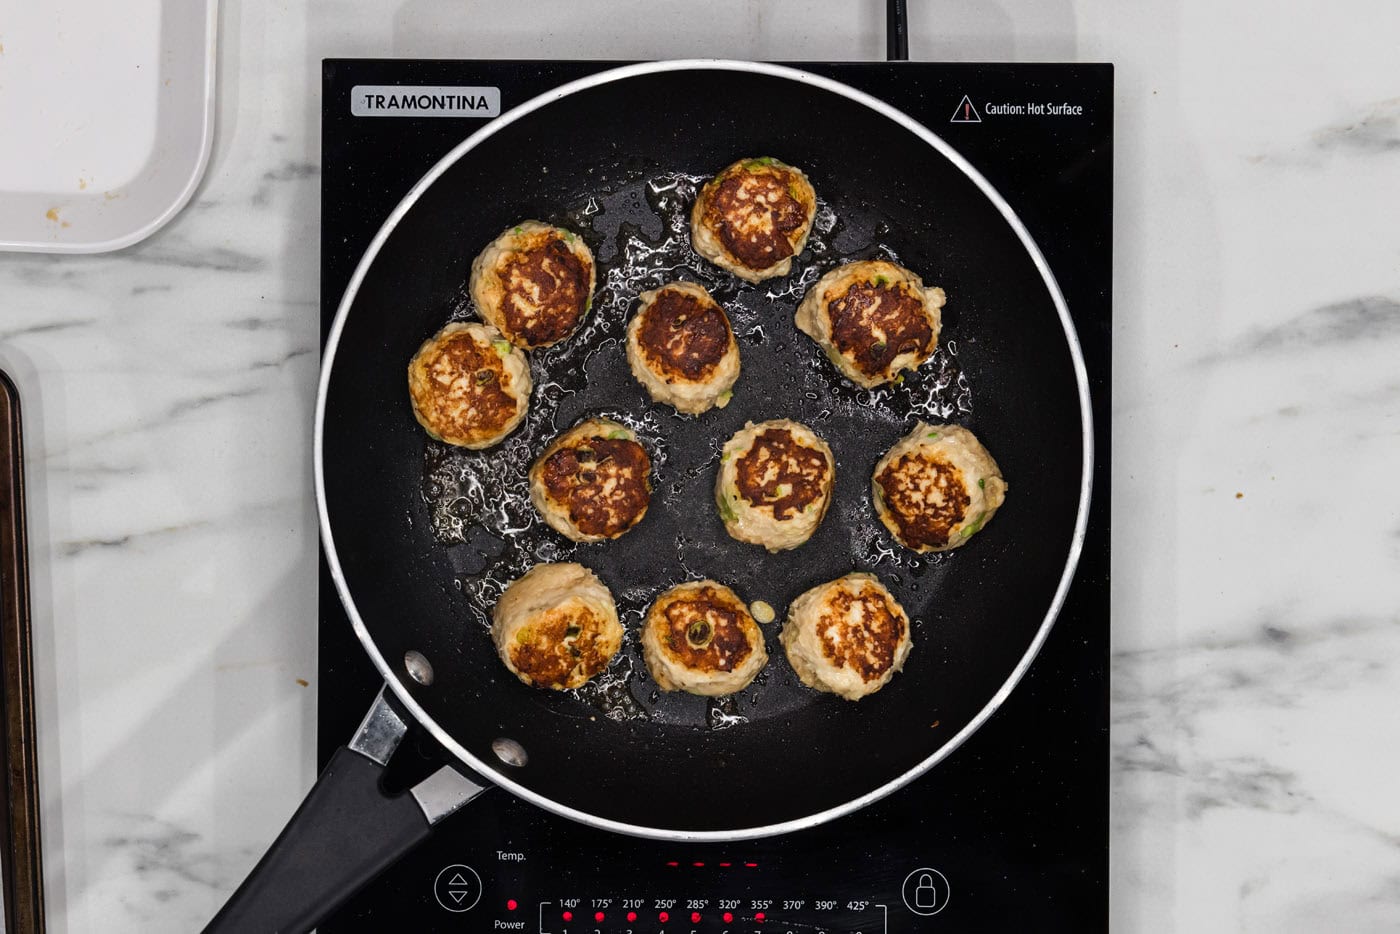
x: 705, y: 891
x: 972, y: 846
x: 715, y: 894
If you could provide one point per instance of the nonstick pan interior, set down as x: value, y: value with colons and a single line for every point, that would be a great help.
x: 425, y: 536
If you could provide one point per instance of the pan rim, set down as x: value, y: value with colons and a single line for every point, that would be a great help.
x: 658, y: 67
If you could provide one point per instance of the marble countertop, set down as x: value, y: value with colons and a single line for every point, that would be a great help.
x: 1256, y: 656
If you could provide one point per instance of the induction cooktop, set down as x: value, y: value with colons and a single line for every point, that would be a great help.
x: 1010, y: 832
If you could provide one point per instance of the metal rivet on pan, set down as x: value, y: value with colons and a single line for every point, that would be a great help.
x: 418, y: 667
x: 510, y: 752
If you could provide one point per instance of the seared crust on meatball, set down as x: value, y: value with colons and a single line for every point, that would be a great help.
x: 873, y: 319
x: 681, y: 348
x: 753, y: 218
x: 534, y: 283
x: 593, y: 482
x: 937, y: 487
x: 848, y: 636
x: 468, y: 386
x: 774, y: 484
x: 681, y: 332
x: 923, y: 499
x: 556, y: 626
x: 780, y: 472
x: 699, y: 637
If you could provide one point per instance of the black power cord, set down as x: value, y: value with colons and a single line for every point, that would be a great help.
x: 897, y: 30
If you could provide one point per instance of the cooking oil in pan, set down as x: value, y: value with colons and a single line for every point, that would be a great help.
x: 478, y: 502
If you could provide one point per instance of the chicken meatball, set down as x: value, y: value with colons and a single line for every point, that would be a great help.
x: 556, y: 626
x: 699, y: 637
x: 848, y: 636
x: 469, y: 386
x: 753, y: 218
x: 534, y: 283
x: 873, y: 319
x: 937, y: 487
x: 681, y: 348
x: 593, y: 482
x: 774, y: 484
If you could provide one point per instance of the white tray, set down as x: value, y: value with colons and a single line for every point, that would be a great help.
x: 106, y: 118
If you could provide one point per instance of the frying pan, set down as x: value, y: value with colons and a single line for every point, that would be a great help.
x: 615, y: 155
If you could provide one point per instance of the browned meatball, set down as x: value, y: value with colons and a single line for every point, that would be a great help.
x: 534, y: 283
x: 468, y: 386
x: 753, y: 218
x: 593, y: 482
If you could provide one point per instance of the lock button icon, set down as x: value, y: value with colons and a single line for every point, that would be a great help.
x: 925, y: 895
x: 926, y: 891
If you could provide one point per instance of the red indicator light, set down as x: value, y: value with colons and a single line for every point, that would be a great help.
x: 631, y: 916
x: 511, y: 904
x: 568, y: 916
x: 598, y: 916
x: 760, y: 916
x: 698, y: 865
x: 728, y: 917
x: 752, y: 865
x: 663, y: 917
x: 673, y: 863
x: 695, y: 917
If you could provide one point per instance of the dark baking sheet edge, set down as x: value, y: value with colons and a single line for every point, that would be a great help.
x: 21, y: 867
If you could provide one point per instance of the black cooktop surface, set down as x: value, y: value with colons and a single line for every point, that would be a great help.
x: 1011, y: 831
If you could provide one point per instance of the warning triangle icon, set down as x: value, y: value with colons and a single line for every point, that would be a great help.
x: 457, y: 880
x: 966, y: 113
x: 457, y: 896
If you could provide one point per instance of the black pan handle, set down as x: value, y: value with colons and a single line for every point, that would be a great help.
x: 345, y: 833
